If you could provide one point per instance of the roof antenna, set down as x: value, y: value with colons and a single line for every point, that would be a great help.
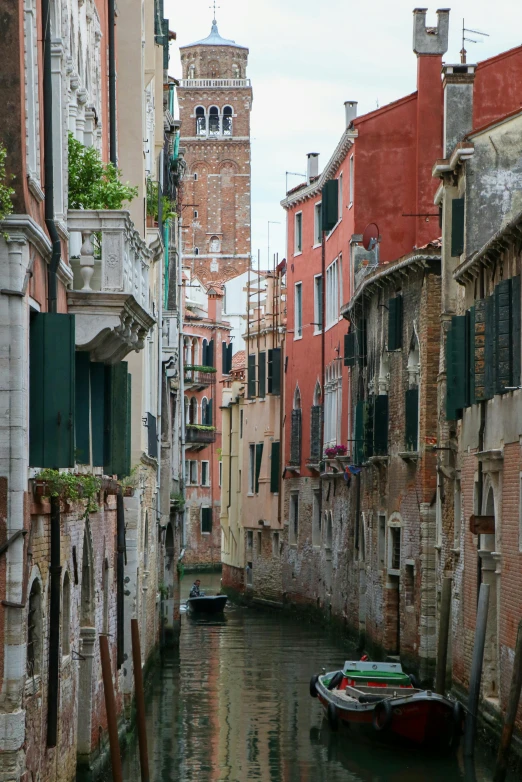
x: 214, y: 8
x: 471, y: 40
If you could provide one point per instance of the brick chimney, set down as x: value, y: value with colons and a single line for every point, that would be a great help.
x: 312, y: 166
x: 458, y: 103
x: 215, y: 304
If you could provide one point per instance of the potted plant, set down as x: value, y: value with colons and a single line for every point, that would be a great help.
x: 69, y: 487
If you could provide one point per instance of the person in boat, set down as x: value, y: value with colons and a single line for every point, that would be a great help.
x: 195, y: 592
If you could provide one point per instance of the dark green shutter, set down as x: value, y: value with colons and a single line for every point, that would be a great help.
x: 316, y: 420
x: 489, y: 348
x: 349, y: 349
x: 479, y: 364
x: 470, y: 355
x: 275, y: 468
x: 261, y: 369
x: 295, y: 438
x: 368, y: 412
x: 224, y: 358
x: 380, y: 425
x: 358, y: 433
x: 210, y: 354
x: 251, y: 375
x: 362, y: 339
x: 152, y: 438
x: 117, y: 420
x: 503, y: 351
x: 259, y: 459
x: 209, y: 413
x: 395, y: 323
x: 451, y: 410
x: 457, y: 226
x: 206, y: 519
x: 51, y: 390
x: 128, y: 430
x: 457, y: 371
x: 330, y: 205
x: 515, y: 330
x: 229, y: 358
x: 97, y: 412
x: 274, y: 371
x: 204, y: 353
x: 412, y: 419
x: 82, y: 402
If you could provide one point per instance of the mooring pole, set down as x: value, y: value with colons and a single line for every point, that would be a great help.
x: 110, y: 707
x: 140, y: 701
x: 442, y: 647
x: 511, y: 711
x: 476, y: 670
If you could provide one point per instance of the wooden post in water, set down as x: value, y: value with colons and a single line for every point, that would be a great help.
x: 140, y: 701
x: 511, y: 711
x: 110, y: 706
x: 442, y: 647
x: 476, y: 670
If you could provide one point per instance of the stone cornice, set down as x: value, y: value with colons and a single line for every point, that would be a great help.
x: 34, y: 233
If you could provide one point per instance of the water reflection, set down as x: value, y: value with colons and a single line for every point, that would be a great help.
x: 234, y: 705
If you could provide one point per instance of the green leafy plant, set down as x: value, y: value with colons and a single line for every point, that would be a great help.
x: 177, y: 499
x: 220, y: 454
x: 168, y: 207
x: 71, y: 488
x: 6, y: 191
x: 131, y: 481
x: 164, y: 591
x: 94, y: 184
x: 201, y: 428
x: 198, y: 368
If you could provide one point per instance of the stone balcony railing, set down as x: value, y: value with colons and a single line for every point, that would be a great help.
x: 195, y: 83
x: 110, y: 289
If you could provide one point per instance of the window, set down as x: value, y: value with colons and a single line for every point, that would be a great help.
x: 196, y: 214
x: 457, y: 517
x: 332, y: 294
x: 206, y: 520
x: 394, y: 550
x: 206, y: 412
x: 294, y: 518
x: 241, y: 424
x: 329, y: 529
x: 195, y: 177
x: 201, y: 124
x: 261, y: 369
x: 351, y: 182
x: 275, y: 467
x: 193, y: 472
x: 296, y: 430
x: 298, y: 330
x: 259, y: 459
x: 409, y: 584
x: 382, y: 540
x: 333, y: 404
x: 187, y: 471
x: 34, y: 630
x: 196, y: 250
x: 275, y: 544
x: 205, y: 476
x: 457, y: 226
x: 227, y: 121
x: 318, y: 235
x: 66, y: 615
x: 250, y: 540
x: 316, y: 519
x: 298, y: 240
x: 340, y: 196
x: 251, y: 467
x: 221, y: 474
x: 274, y: 371
x: 193, y: 411
x: 251, y: 376
x: 395, y: 323
x: 318, y: 303
x: 213, y: 121
x: 259, y: 542
x: 249, y: 574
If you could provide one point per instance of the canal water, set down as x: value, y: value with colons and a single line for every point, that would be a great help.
x: 233, y: 705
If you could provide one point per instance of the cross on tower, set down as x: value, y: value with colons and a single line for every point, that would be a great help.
x: 214, y: 7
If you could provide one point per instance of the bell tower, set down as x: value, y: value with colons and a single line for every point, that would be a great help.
x: 215, y: 100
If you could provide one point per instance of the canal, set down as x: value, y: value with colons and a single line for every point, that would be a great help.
x: 233, y: 705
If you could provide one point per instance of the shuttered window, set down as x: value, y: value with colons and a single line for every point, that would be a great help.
x: 295, y: 438
x: 226, y: 358
x: 457, y: 367
x: 316, y: 421
x: 275, y: 467
x: 251, y: 376
x: 206, y: 519
x: 503, y: 341
x: 349, y: 349
x: 330, y: 205
x: 395, y: 323
x: 51, y: 390
x: 259, y: 459
x: 97, y: 372
x: 368, y: 421
x: 274, y: 371
x: 497, y: 340
x: 152, y: 436
x: 515, y: 330
x: 479, y: 364
x: 83, y: 406
x: 261, y: 369
x: 412, y: 419
x: 207, y: 356
x: 117, y: 420
x: 380, y: 426
x: 457, y: 226
x: 358, y: 433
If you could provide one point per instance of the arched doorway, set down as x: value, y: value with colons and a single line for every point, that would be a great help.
x: 87, y: 640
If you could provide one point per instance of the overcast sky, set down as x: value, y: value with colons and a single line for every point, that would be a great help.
x: 308, y: 56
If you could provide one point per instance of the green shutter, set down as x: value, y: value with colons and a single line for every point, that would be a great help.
x: 489, y: 349
x: 412, y: 419
x: 210, y: 354
x: 368, y: 429
x: 229, y: 357
x: 451, y: 410
x: 330, y: 205
x: 479, y: 364
x: 274, y: 371
x: 251, y: 375
x: 470, y: 354
x: 395, y: 323
x: 358, y: 433
x: 457, y: 371
x: 97, y: 372
x: 295, y: 438
x: 316, y: 421
x: 117, y: 420
x: 206, y: 519
x: 259, y: 459
x: 128, y: 428
x: 457, y: 226
x: 275, y: 468
x: 380, y: 425
x: 51, y: 390
x: 82, y: 402
x: 515, y: 330
x: 261, y: 369
x: 503, y: 348
x: 224, y: 358
x: 349, y: 349
x: 209, y: 413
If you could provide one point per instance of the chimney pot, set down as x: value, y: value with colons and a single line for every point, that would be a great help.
x: 430, y: 40
x: 458, y: 103
x: 350, y: 110
x: 312, y: 166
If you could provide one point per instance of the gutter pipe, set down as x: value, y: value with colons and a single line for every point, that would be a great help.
x: 112, y: 83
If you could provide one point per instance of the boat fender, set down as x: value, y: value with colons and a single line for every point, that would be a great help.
x: 458, y: 721
x: 414, y: 681
x: 313, y: 683
x: 335, y: 680
x: 332, y: 716
x: 382, y: 716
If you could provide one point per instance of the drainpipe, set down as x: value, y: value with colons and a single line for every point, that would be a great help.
x: 120, y: 539
x: 48, y: 162
x: 54, y: 626
x: 323, y: 325
x: 112, y: 84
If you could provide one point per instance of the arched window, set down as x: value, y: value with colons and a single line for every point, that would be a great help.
x: 186, y: 345
x: 195, y: 351
x: 192, y: 71
x: 214, y: 244
x: 196, y: 250
x: 193, y: 411
x: 213, y: 121
x: 413, y: 361
x: 201, y: 121
x: 236, y: 71
x: 204, y: 411
x: 227, y: 121
x: 213, y: 69
x: 187, y: 405
x: 66, y: 616
x: 317, y: 394
x: 34, y: 630
x: 297, y: 398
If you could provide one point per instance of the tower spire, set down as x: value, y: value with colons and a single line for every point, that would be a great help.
x: 213, y: 6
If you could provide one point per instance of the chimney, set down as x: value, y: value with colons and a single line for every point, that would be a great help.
x: 350, y: 111
x: 215, y: 304
x: 312, y: 166
x: 430, y: 40
x: 458, y: 103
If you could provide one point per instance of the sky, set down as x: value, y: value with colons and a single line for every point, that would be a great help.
x: 309, y: 56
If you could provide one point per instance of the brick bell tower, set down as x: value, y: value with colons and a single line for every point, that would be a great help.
x: 215, y: 100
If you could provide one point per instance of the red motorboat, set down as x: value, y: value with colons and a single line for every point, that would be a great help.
x: 379, y: 699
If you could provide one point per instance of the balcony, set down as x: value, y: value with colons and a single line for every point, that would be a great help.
x: 197, y: 83
x: 199, y: 436
x: 197, y: 377
x: 110, y: 289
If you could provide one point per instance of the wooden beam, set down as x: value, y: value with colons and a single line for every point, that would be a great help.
x: 482, y: 525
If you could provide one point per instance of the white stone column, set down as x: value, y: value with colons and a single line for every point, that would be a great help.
x: 88, y: 640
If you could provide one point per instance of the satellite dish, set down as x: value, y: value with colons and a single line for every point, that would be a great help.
x: 370, y: 236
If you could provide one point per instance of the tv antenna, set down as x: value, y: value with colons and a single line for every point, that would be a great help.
x: 293, y: 173
x: 471, y: 40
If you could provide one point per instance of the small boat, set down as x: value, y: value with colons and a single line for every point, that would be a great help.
x: 207, y: 604
x: 381, y: 701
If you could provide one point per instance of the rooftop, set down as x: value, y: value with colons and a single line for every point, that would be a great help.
x: 214, y: 39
